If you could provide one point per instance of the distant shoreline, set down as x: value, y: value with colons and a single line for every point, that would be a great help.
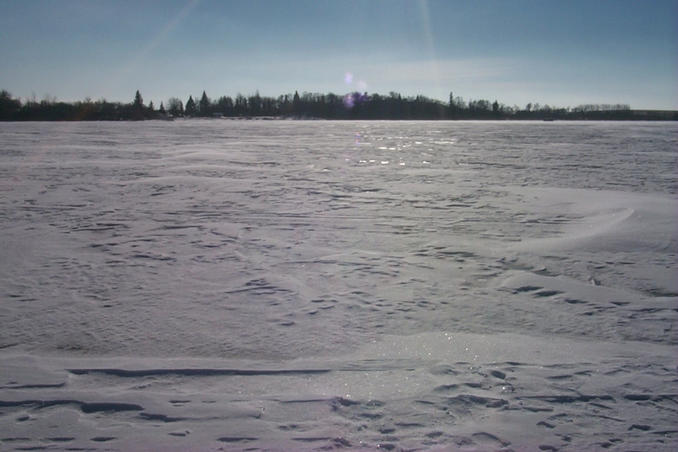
x: 351, y: 106
x: 650, y: 118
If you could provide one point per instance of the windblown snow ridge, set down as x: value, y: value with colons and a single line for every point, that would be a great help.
x: 192, y: 372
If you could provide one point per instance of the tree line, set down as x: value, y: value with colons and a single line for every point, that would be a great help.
x: 353, y: 105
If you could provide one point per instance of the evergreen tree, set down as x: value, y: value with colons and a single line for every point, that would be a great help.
x: 204, y: 105
x: 161, y: 110
x: 138, y: 100
x: 296, y: 104
x: 190, y: 107
x: 138, y: 106
x: 225, y: 106
x: 8, y: 105
x: 255, y: 104
x: 151, y: 107
x: 240, y: 106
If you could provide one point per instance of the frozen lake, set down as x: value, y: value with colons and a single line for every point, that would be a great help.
x: 301, y: 285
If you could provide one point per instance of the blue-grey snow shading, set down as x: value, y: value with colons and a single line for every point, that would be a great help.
x: 290, y: 285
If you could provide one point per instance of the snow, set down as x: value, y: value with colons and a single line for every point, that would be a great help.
x: 206, y: 285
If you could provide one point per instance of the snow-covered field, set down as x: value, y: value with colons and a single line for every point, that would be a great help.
x: 291, y: 285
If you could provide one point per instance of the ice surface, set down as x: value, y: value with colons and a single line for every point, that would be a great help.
x: 306, y: 285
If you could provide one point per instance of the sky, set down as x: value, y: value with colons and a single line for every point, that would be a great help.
x: 560, y: 53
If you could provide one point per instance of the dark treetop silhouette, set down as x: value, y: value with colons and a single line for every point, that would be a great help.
x: 353, y: 105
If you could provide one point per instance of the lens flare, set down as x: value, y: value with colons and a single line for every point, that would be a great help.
x: 349, y: 102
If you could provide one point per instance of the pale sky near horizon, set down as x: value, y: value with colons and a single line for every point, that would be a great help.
x: 556, y: 52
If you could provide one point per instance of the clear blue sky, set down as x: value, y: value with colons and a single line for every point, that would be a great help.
x: 552, y: 52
